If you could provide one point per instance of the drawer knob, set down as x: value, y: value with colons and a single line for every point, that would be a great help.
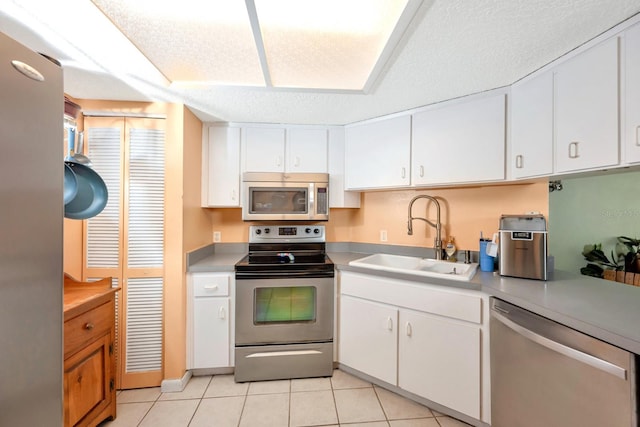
x: 89, y: 326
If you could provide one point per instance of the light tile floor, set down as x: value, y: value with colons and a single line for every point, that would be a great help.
x: 342, y: 400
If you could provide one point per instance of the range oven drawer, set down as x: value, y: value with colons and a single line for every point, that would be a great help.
x: 275, y: 362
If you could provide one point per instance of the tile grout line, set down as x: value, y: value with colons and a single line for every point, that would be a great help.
x: 200, y: 401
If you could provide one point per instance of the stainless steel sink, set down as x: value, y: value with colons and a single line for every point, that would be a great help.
x: 418, y: 266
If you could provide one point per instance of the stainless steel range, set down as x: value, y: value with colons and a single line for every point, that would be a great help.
x: 284, y: 305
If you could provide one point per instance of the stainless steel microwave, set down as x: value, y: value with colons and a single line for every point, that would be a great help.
x: 285, y: 196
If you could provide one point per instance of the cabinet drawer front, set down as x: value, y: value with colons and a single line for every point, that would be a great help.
x: 87, y: 327
x: 86, y: 382
x: 211, y: 285
x: 427, y: 298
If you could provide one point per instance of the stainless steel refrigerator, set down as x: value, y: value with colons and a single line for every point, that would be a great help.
x: 31, y: 221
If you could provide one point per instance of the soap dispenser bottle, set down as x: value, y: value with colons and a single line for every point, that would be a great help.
x: 450, y: 249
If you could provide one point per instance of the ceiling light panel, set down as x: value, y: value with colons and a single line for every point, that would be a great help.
x: 191, y: 40
x: 328, y: 44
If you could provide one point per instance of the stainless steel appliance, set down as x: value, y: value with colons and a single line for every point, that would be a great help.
x: 523, y: 246
x: 31, y: 207
x: 284, y: 305
x: 285, y: 196
x: 546, y: 374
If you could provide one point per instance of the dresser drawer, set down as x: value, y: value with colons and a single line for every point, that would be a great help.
x: 211, y: 285
x: 86, y: 327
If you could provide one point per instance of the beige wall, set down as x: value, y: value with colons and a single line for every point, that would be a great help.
x: 465, y: 212
x: 197, y: 221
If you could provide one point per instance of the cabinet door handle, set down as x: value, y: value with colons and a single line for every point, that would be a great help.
x: 390, y: 323
x: 233, y: 194
x: 421, y: 171
x: 279, y: 161
x: 211, y: 287
x: 409, y: 329
x: 519, y: 160
x: 222, y: 314
x: 573, y: 153
x: 89, y: 326
x: 296, y: 163
x: 403, y: 174
x: 638, y: 135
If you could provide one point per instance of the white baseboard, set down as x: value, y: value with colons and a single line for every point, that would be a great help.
x: 172, y: 386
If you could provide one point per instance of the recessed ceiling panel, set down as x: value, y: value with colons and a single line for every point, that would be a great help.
x: 191, y: 40
x: 328, y: 44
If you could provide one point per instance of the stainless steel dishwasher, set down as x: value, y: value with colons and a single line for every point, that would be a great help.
x: 546, y: 374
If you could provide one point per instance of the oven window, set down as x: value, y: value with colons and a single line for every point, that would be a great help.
x: 278, y: 200
x: 293, y: 304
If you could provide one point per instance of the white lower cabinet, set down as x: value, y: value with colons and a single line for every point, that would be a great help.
x: 439, y: 359
x: 427, y: 339
x: 209, y: 320
x: 368, y: 337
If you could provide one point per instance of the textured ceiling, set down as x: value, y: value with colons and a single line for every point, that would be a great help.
x: 452, y: 48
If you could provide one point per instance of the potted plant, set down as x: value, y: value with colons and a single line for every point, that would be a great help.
x: 598, y: 261
x: 623, y: 266
x: 628, y: 249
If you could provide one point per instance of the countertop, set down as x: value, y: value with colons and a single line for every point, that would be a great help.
x: 606, y: 310
x: 80, y: 296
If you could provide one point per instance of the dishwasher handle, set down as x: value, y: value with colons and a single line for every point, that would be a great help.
x: 578, y: 355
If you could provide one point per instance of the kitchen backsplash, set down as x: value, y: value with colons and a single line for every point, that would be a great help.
x: 465, y: 212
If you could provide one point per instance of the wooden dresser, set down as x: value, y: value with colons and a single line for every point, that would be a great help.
x: 89, y: 353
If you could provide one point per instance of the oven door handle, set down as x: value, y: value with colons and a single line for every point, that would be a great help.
x: 284, y: 353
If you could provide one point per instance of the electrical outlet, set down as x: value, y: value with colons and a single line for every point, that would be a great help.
x: 383, y: 235
x: 217, y: 237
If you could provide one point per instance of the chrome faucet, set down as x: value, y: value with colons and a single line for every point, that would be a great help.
x: 437, y: 225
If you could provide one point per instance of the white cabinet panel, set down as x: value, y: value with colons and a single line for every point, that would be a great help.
x: 307, y: 150
x: 378, y: 154
x: 211, y: 333
x: 532, y: 127
x: 263, y: 149
x: 368, y: 337
x: 631, y: 132
x: 221, y: 177
x: 439, y: 359
x: 586, y: 109
x: 338, y: 197
x: 459, y: 143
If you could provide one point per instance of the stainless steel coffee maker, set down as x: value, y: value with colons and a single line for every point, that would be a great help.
x: 523, y: 246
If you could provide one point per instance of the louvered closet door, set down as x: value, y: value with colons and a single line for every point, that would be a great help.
x: 127, y: 239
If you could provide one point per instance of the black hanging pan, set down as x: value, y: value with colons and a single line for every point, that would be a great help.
x: 92, y: 194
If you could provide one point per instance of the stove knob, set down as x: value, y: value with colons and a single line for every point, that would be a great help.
x: 307, y: 230
x: 316, y: 231
x: 267, y: 230
x: 258, y: 231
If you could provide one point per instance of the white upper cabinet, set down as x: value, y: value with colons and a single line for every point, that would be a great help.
x: 263, y: 149
x: 338, y: 197
x: 586, y: 109
x: 532, y: 127
x: 221, y: 167
x: 378, y: 154
x: 276, y: 149
x: 631, y: 129
x: 307, y: 150
x: 460, y: 143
